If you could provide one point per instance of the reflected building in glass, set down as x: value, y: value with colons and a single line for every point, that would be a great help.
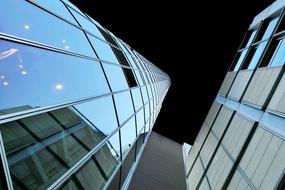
x: 241, y: 144
x: 77, y: 104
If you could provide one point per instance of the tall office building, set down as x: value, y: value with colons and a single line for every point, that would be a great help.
x: 241, y: 143
x: 77, y: 104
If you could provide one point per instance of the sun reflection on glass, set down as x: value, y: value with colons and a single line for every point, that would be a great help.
x: 27, y: 26
x: 21, y: 66
x: 66, y: 47
x: 2, y: 77
x: 24, y: 72
x: 59, y: 86
x: 5, y: 83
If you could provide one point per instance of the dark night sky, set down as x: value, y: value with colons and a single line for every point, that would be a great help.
x: 194, y: 49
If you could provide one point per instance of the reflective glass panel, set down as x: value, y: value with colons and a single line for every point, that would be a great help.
x: 270, y: 28
x: 101, y: 113
x: 68, y: 149
x: 144, y: 93
x: 87, y: 25
x: 41, y: 125
x: 140, y: 120
x: 106, y: 160
x: 41, y: 148
x: 115, y: 77
x: 57, y: 7
x: 103, y: 50
x: 137, y: 98
x: 128, y: 135
x: 90, y: 177
x: 278, y: 58
x: 251, y: 38
x: 255, y: 59
x: 32, y: 77
x: 39, y: 30
x: 124, y: 105
x: 36, y: 170
x: 127, y: 164
x: 15, y: 137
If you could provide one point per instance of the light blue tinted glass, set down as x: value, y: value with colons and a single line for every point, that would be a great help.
x: 255, y: 59
x: 270, y: 28
x: 144, y: 93
x: 71, y: 5
x: 137, y: 98
x: 41, y: 29
x: 146, y: 111
x: 126, y: 51
x: 57, y: 7
x: 279, y: 56
x: 116, y: 77
x: 32, y: 77
x: 147, y: 126
x: 140, y: 120
x: 101, y: 113
x: 103, y: 50
x: 251, y: 38
x: 128, y: 135
x: 87, y: 24
x: 124, y: 105
x: 114, y: 144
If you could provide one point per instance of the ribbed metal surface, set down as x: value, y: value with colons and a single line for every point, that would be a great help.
x: 161, y: 166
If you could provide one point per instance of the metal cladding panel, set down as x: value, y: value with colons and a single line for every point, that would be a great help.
x: 161, y: 165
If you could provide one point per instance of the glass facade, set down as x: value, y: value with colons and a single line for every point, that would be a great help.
x: 241, y: 142
x: 77, y: 104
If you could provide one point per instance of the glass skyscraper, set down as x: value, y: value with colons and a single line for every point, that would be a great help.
x: 241, y: 143
x: 77, y: 104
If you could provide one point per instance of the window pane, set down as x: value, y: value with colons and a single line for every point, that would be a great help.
x: 57, y: 7
x: 39, y: 30
x: 103, y: 50
x: 101, y: 113
x: 255, y: 59
x: 106, y: 160
x: 270, y: 28
x: 86, y: 24
x: 41, y: 125
x: 36, y: 171
x: 115, y: 77
x: 33, y: 77
x: 127, y: 164
x: 39, y: 150
x: 15, y: 137
x: 137, y: 98
x: 128, y: 135
x: 278, y: 58
x: 124, y: 105
x: 88, y: 137
x: 68, y: 149
x: 90, y: 177
x: 144, y: 93
x: 140, y: 120
x: 251, y: 39
x: 66, y: 117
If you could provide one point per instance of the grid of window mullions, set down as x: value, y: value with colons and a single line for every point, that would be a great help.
x: 37, y: 44
x: 106, y: 140
x: 253, y: 44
